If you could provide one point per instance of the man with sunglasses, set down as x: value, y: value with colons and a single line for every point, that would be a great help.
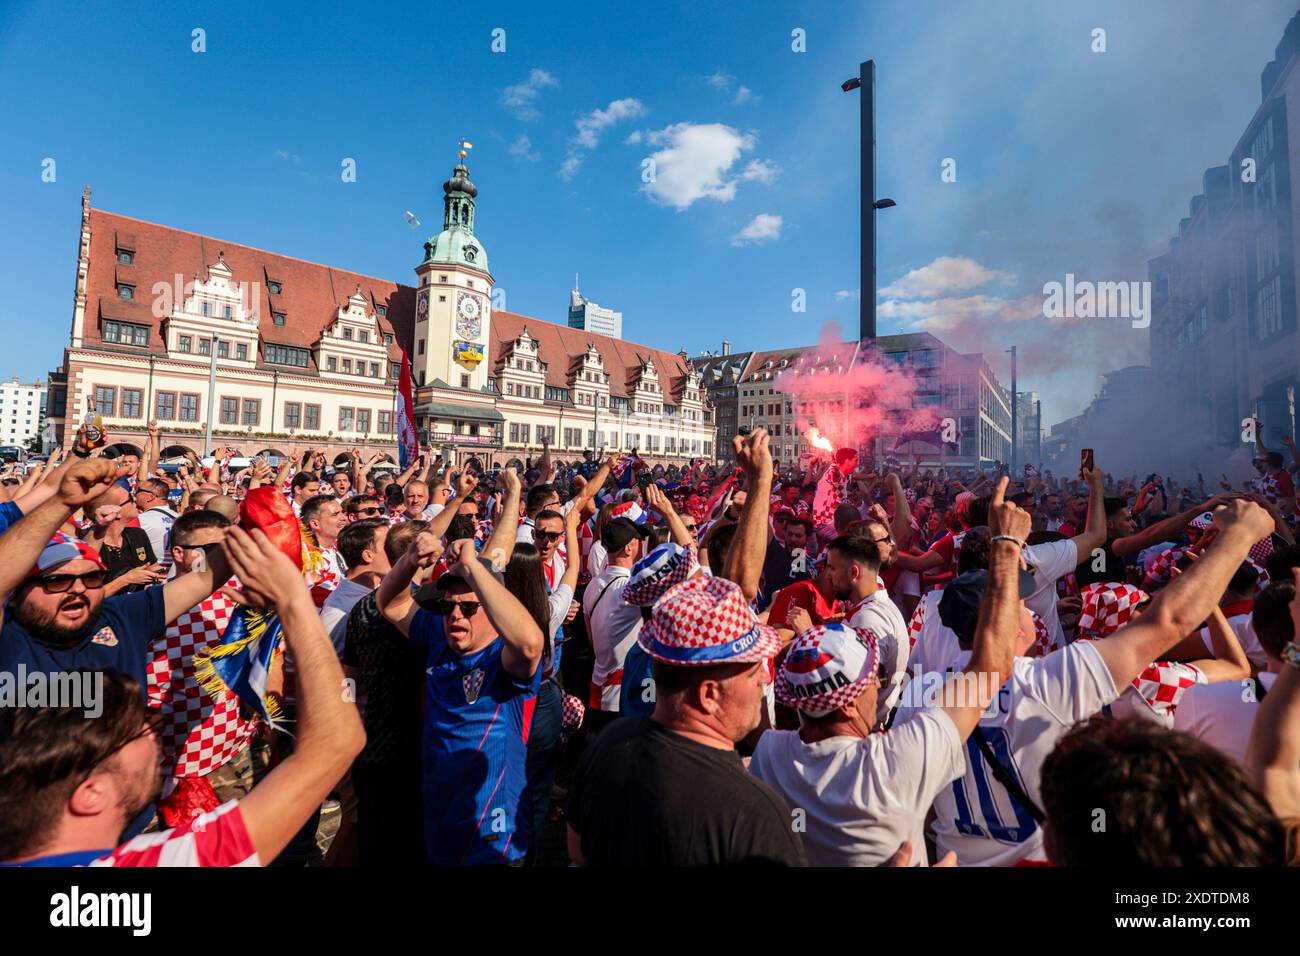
x: 156, y: 516
x: 359, y: 507
x: 481, y: 682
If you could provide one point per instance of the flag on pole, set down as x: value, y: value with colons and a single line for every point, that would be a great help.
x: 408, y: 445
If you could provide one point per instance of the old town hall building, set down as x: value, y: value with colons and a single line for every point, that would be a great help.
x: 302, y: 353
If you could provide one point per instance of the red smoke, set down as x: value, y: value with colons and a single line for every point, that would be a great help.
x: 851, y: 393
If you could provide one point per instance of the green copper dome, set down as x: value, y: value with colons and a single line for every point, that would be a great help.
x: 457, y: 244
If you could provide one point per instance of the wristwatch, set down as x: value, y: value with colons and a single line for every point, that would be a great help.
x: 1291, y: 653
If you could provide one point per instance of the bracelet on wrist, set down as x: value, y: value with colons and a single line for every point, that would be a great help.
x: 1007, y: 537
x: 1291, y: 653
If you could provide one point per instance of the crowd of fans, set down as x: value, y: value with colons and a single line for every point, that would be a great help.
x: 832, y: 662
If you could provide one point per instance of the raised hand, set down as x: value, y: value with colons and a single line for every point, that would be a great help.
x: 86, y: 479
x: 1006, y: 517
x: 269, y: 578
x: 753, y: 452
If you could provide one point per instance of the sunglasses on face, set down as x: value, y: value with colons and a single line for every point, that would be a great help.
x: 888, y: 537
x: 205, y: 548
x: 467, y: 608
x: 692, y: 528
x: 548, y: 535
x: 368, y: 512
x: 58, y: 583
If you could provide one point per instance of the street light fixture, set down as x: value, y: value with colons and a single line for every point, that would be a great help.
x: 866, y: 82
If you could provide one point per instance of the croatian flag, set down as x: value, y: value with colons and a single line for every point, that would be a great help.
x: 625, y: 472
x: 241, y: 663
x: 408, y: 445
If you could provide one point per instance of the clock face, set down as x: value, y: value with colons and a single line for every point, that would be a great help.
x: 468, y: 307
x: 422, y: 305
x: 469, y: 324
x: 471, y: 253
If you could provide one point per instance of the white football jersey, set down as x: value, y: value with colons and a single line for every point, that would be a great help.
x: 975, y: 817
x: 877, y: 612
x: 1222, y: 714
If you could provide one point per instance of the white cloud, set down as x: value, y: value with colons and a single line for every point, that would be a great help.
x: 522, y: 97
x: 695, y: 160
x: 287, y: 156
x: 760, y: 170
x: 720, y: 80
x: 590, y: 127
x: 843, y: 295
x: 946, y: 314
x: 743, y: 95
x: 764, y: 227
x: 633, y: 138
x: 943, y: 276
x: 522, y: 148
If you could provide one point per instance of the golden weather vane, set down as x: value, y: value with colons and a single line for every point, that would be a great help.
x: 465, y: 146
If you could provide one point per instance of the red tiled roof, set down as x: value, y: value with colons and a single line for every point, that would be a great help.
x: 310, y: 298
x: 311, y: 295
x: 562, y: 348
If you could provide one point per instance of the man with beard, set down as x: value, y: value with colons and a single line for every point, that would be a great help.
x: 73, y: 781
x: 56, y: 616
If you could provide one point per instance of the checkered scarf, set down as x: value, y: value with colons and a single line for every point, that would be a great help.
x: 1107, y: 607
x: 832, y: 488
x: 199, y: 734
x: 1162, y: 568
x: 1162, y: 685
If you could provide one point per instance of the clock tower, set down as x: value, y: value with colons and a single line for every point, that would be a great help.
x: 453, y: 298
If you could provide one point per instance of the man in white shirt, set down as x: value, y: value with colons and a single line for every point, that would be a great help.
x: 156, y: 517
x: 992, y: 815
x: 865, y: 794
x: 1222, y: 714
x: 304, y: 487
x: 361, y: 545
x: 539, y: 498
x: 854, y: 566
x: 612, y: 623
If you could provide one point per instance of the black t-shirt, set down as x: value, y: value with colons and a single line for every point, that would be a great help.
x: 390, y: 685
x: 777, y: 570
x: 644, y: 796
x: 1112, y: 570
x: 134, y: 552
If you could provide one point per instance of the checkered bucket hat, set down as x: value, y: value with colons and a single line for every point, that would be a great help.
x: 706, y: 620
x: 659, y: 572
x: 1107, y: 607
x: 62, y: 549
x: 828, y: 667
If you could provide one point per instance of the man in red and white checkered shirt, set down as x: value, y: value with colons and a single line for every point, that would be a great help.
x: 75, y: 775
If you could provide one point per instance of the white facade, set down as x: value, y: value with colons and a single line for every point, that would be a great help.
x: 20, y: 411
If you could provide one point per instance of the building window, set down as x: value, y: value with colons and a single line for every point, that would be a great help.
x: 229, y: 411
x: 347, y: 332
x: 363, y: 420
x: 361, y: 367
x: 207, y: 309
x: 363, y: 336
x: 312, y: 417
x: 292, y: 414
x: 225, y: 312
x: 165, y: 406
x: 189, y: 407
x: 374, y: 370
x: 523, y: 433
x: 252, y: 411
x: 223, y: 348
x: 126, y: 333
x: 388, y: 339
x: 347, y: 366
x: 205, y: 346
x: 385, y: 422
x: 383, y: 310
x: 331, y: 364
x: 132, y: 398
x: 345, y: 419
x: 277, y: 318
x: 126, y: 292
x: 442, y: 278
x: 514, y: 433
x: 274, y: 287
x: 442, y: 298
x: 464, y: 380
x: 126, y: 257
x: 184, y: 343
x: 241, y: 352
x: 419, y: 348
x: 395, y: 369
x: 286, y: 355
x: 105, y: 400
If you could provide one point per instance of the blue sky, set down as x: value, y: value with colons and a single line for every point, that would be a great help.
x: 1067, y: 160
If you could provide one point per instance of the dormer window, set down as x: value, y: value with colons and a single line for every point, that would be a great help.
x: 273, y: 287
x: 381, y: 310
x: 277, y: 318
x: 388, y: 339
x: 126, y: 292
x: 347, y: 333
x: 126, y: 257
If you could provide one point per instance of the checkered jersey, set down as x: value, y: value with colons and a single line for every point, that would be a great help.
x: 1107, y: 606
x: 1162, y: 568
x: 831, y: 490
x: 218, y: 838
x: 1162, y: 685
x: 198, y: 734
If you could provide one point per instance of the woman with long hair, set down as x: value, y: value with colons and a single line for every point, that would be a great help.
x: 526, y: 580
